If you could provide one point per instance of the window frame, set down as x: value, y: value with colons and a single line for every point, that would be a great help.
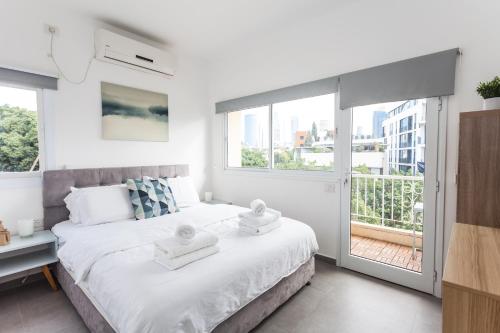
x: 41, y: 136
x: 270, y: 171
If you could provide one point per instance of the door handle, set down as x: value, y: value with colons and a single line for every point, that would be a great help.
x: 346, y: 178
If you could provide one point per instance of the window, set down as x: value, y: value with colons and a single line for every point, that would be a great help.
x: 404, y: 169
x: 19, y: 130
x: 405, y: 156
x: 303, y: 134
x: 300, y: 137
x: 248, y: 138
x: 405, y: 140
x: 406, y: 124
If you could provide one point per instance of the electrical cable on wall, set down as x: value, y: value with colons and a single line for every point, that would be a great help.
x: 52, y: 56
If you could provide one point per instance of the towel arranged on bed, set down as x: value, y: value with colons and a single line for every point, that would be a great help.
x: 269, y: 216
x: 180, y: 261
x: 185, y: 232
x: 264, y: 221
x: 174, y: 252
x: 173, y: 247
x: 258, y: 207
x: 259, y: 230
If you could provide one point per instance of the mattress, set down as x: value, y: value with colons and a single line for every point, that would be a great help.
x: 113, y: 264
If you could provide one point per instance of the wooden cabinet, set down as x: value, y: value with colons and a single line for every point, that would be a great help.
x: 471, y: 280
x: 478, y: 199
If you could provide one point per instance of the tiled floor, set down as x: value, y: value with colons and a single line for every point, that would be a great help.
x: 338, y: 300
x: 35, y: 308
x: 389, y: 253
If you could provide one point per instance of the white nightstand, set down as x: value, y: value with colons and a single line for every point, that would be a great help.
x: 25, y: 253
x: 218, y: 202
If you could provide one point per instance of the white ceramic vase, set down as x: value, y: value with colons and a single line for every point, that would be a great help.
x: 491, y: 103
x: 208, y: 196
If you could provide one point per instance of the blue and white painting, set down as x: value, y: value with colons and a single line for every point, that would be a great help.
x: 133, y: 114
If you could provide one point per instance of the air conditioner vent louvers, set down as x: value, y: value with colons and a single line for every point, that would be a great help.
x: 135, y: 65
x: 144, y: 58
x: 114, y: 48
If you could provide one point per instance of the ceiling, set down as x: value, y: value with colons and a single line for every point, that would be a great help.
x: 200, y: 27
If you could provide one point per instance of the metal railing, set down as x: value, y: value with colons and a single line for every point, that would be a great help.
x: 386, y: 200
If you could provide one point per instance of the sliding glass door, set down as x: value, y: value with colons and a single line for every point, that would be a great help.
x: 389, y: 191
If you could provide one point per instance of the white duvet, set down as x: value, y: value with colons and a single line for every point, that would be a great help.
x: 114, y: 262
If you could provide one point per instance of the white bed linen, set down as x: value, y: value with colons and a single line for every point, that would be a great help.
x: 66, y: 230
x: 115, y: 264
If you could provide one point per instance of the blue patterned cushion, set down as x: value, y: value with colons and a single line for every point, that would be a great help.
x: 151, y: 198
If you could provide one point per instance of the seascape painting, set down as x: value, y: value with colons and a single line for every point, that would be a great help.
x: 133, y: 114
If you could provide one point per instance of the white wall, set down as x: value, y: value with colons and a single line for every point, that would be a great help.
x: 359, y: 35
x: 74, y: 112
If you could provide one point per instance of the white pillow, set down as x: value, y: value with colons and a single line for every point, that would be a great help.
x: 100, y: 204
x: 183, y: 190
x: 72, y: 205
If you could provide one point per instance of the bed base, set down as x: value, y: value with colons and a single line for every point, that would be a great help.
x: 242, y: 321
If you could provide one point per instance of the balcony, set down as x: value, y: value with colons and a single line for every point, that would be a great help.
x: 386, y: 219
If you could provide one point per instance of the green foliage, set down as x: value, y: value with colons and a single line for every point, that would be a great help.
x: 320, y: 149
x: 489, y: 89
x: 363, y: 168
x: 400, y: 194
x: 285, y: 160
x: 253, y: 158
x: 18, y: 139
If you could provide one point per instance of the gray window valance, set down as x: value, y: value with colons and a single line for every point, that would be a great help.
x: 27, y: 79
x: 304, y: 90
x: 426, y: 76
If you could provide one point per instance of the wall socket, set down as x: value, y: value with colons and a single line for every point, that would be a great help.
x: 330, y: 187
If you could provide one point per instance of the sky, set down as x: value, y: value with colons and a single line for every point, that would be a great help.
x: 362, y: 116
x: 22, y: 98
x: 324, y: 110
x: 320, y: 109
x: 323, y: 106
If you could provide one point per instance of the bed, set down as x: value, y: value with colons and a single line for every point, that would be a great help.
x: 107, y: 272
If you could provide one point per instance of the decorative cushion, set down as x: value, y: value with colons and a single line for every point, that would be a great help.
x: 151, y: 198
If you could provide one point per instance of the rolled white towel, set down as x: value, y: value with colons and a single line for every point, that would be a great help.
x: 173, y: 247
x: 185, y: 232
x: 269, y: 216
x: 258, y: 207
x: 260, y: 230
x: 178, y: 262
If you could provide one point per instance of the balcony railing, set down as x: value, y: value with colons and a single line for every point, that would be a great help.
x: 387, y: 200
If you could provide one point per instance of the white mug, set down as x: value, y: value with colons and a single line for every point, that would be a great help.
x: 208, y: 196
x: 25, y: 228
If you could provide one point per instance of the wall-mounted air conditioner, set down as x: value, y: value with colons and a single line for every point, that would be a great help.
x: 131, y: 53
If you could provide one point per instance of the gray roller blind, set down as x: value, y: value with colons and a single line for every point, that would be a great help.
x: 427, y: 76
x: 304, y: 90
x: 27, y: 79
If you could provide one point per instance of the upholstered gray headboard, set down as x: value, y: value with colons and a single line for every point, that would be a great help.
x: 57, y: 184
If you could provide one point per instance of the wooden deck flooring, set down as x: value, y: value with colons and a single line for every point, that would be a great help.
x: 385, y: 252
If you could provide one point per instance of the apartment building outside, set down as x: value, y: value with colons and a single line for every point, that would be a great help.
x: 404, y: 138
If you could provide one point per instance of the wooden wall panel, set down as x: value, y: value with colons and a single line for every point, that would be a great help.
x: 478, y: 199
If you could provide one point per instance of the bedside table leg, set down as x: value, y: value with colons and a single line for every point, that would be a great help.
x: 48, y: 275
